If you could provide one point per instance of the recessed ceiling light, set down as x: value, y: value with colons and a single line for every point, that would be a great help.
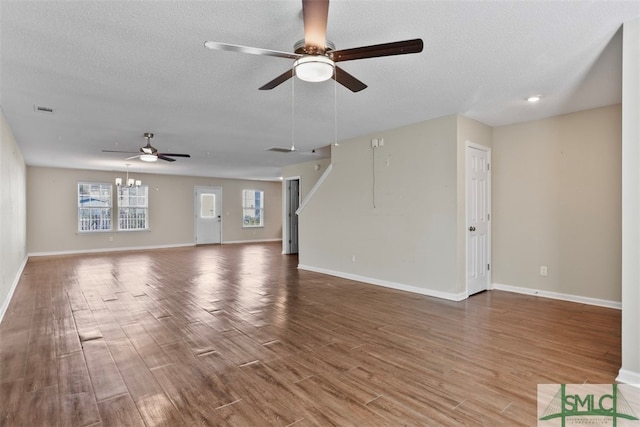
x: 533, y: 99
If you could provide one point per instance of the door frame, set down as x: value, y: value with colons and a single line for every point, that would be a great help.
x: 286, y: 248
x: 469, y: 144
x: 195, y: 210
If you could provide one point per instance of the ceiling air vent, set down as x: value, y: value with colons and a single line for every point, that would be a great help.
x: 280, y: 149
x: 40, y: 109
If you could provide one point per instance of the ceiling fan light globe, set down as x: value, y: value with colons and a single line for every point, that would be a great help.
x: 148, y: 157
x: 314, y: 68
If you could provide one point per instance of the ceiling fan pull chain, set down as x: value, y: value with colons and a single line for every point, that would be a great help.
x: 335, y: 109
x: 293, y: 115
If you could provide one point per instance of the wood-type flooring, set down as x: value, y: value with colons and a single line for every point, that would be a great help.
x: 236, y: 335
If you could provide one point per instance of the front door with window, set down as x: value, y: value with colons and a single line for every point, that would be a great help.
x: 208, y: 213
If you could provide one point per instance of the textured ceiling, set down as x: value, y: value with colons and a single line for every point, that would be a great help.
x: 112, y: 70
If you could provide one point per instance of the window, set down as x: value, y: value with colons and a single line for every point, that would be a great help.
x: 252, y: 206
x: 94, y: 207
x: 133, y: 208
x: 207, y: 205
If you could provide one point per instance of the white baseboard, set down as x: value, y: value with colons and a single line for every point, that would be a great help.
x: 122, y: 249
x: 140, y: 248
x: 393, y: 285
x: 557, y: 295
x: 628, y: 377
x: 234, y: 242
x: 14, y: 285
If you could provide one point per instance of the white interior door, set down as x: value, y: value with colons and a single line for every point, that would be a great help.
x: 208, y: 212
x: 478, y: 193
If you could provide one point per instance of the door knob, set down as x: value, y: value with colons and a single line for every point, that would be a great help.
x: 472, y: 228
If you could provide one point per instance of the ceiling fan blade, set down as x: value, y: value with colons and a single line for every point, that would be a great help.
x: 133, y: 157
x: 118, y: 151
x: 377, y: 50
x: 315, y: 14
x: 168, y: 159
x: 348, y: 81
x: 174, y: 155
x: 250, y: 50
x: 278, y: 80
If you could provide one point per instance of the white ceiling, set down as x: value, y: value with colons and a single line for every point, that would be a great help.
x: 112, y: 70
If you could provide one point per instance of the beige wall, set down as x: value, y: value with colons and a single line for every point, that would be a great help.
x: 557, y: 202
x: 52, y: 211
x: 414, y: 237
x: 308, y: 174
x: 408, y: 239
x: 13, y: 231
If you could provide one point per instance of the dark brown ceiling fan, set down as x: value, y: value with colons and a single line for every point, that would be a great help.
x: 315, y: 56
x: 148, y: 153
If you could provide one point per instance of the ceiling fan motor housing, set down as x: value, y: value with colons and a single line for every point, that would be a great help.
x: 301, y: 48
x: 315, y: 65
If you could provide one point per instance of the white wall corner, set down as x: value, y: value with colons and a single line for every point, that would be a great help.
x: 628, y: 377
x: 387, y: 284
x: 14, y: 285
x: 556, y: 295
x: 630, y: 370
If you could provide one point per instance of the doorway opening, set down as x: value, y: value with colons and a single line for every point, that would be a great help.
x: 291, y: 189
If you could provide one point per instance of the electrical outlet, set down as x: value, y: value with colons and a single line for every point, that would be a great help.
x: 374, y: 143
x: 543, y: 270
